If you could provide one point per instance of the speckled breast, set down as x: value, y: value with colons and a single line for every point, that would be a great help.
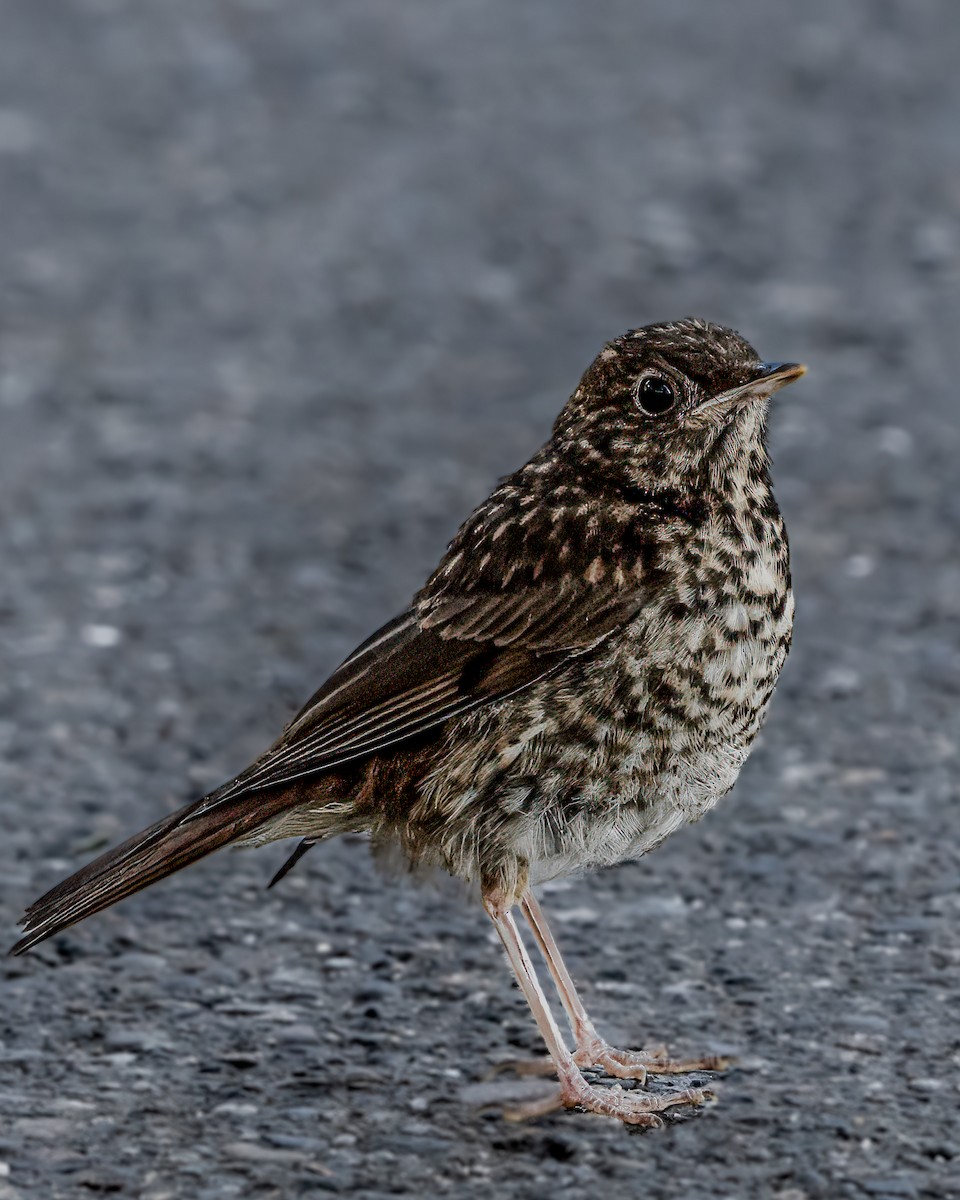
x: 706, y: 660
x: 600, y: 762
x: 676, y: 702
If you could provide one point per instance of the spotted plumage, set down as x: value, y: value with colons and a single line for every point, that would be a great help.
x: 584, y: 671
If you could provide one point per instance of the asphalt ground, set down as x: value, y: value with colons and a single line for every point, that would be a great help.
x: 283, y: 289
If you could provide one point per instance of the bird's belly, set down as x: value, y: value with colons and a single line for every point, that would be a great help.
x: 670, y: 740
x: 627, y: 810
x: 602, y: 762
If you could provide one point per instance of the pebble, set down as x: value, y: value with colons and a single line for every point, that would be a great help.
x: 890, y: 1187
x: 258, y: 1152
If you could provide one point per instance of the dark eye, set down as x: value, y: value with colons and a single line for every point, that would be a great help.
x: 655, y: 395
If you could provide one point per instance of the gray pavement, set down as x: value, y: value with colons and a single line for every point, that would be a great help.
x: 283, y: 288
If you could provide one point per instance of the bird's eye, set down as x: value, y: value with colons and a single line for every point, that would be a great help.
x: 655, y: 395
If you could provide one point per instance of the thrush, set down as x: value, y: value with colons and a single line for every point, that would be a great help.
x: 583, y: 673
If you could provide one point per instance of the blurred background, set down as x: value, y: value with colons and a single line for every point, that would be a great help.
x: 284, y: 287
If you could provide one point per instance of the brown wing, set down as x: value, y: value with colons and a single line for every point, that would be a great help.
x: 402, y: 682
x: 524, y: 588
x: 414, y: 674
x: 525, y: 585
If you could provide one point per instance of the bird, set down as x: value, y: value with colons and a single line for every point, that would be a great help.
x: 583, y: 673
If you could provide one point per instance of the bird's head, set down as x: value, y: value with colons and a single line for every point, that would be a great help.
x: 672, y: 407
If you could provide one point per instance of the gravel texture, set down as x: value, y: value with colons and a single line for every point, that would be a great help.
x: 283, y: 289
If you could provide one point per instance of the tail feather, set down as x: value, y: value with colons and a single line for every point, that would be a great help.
x: 155, y: 852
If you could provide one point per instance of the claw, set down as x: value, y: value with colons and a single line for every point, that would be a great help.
x: 637, y: 1064
x: 633, y: 1108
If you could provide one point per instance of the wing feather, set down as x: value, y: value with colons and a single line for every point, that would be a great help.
x: 505, y: 608
x: 419, y: 675
x: 425, y: 681
x: 529, y: 582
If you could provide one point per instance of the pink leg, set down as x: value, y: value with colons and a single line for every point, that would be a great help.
x: 592, y: 1050
x: 633, y: 1107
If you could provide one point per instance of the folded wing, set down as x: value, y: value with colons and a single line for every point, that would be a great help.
x: 491, y: 621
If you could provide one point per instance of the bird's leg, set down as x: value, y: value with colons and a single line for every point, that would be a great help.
x: 592, y: 1050
x: 575, y: 1092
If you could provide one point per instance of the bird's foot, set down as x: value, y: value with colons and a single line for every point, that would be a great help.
x: 593, y: 1051
x: 620, y: 1064
x: 631, y: 1107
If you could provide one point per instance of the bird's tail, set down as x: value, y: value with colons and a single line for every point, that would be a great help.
x: 175, y: 842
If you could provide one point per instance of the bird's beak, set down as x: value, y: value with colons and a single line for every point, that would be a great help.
x: 773, y: 376
x: 769, y: 378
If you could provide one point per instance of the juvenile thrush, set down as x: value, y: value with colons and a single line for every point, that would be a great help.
x: 584, y: 672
